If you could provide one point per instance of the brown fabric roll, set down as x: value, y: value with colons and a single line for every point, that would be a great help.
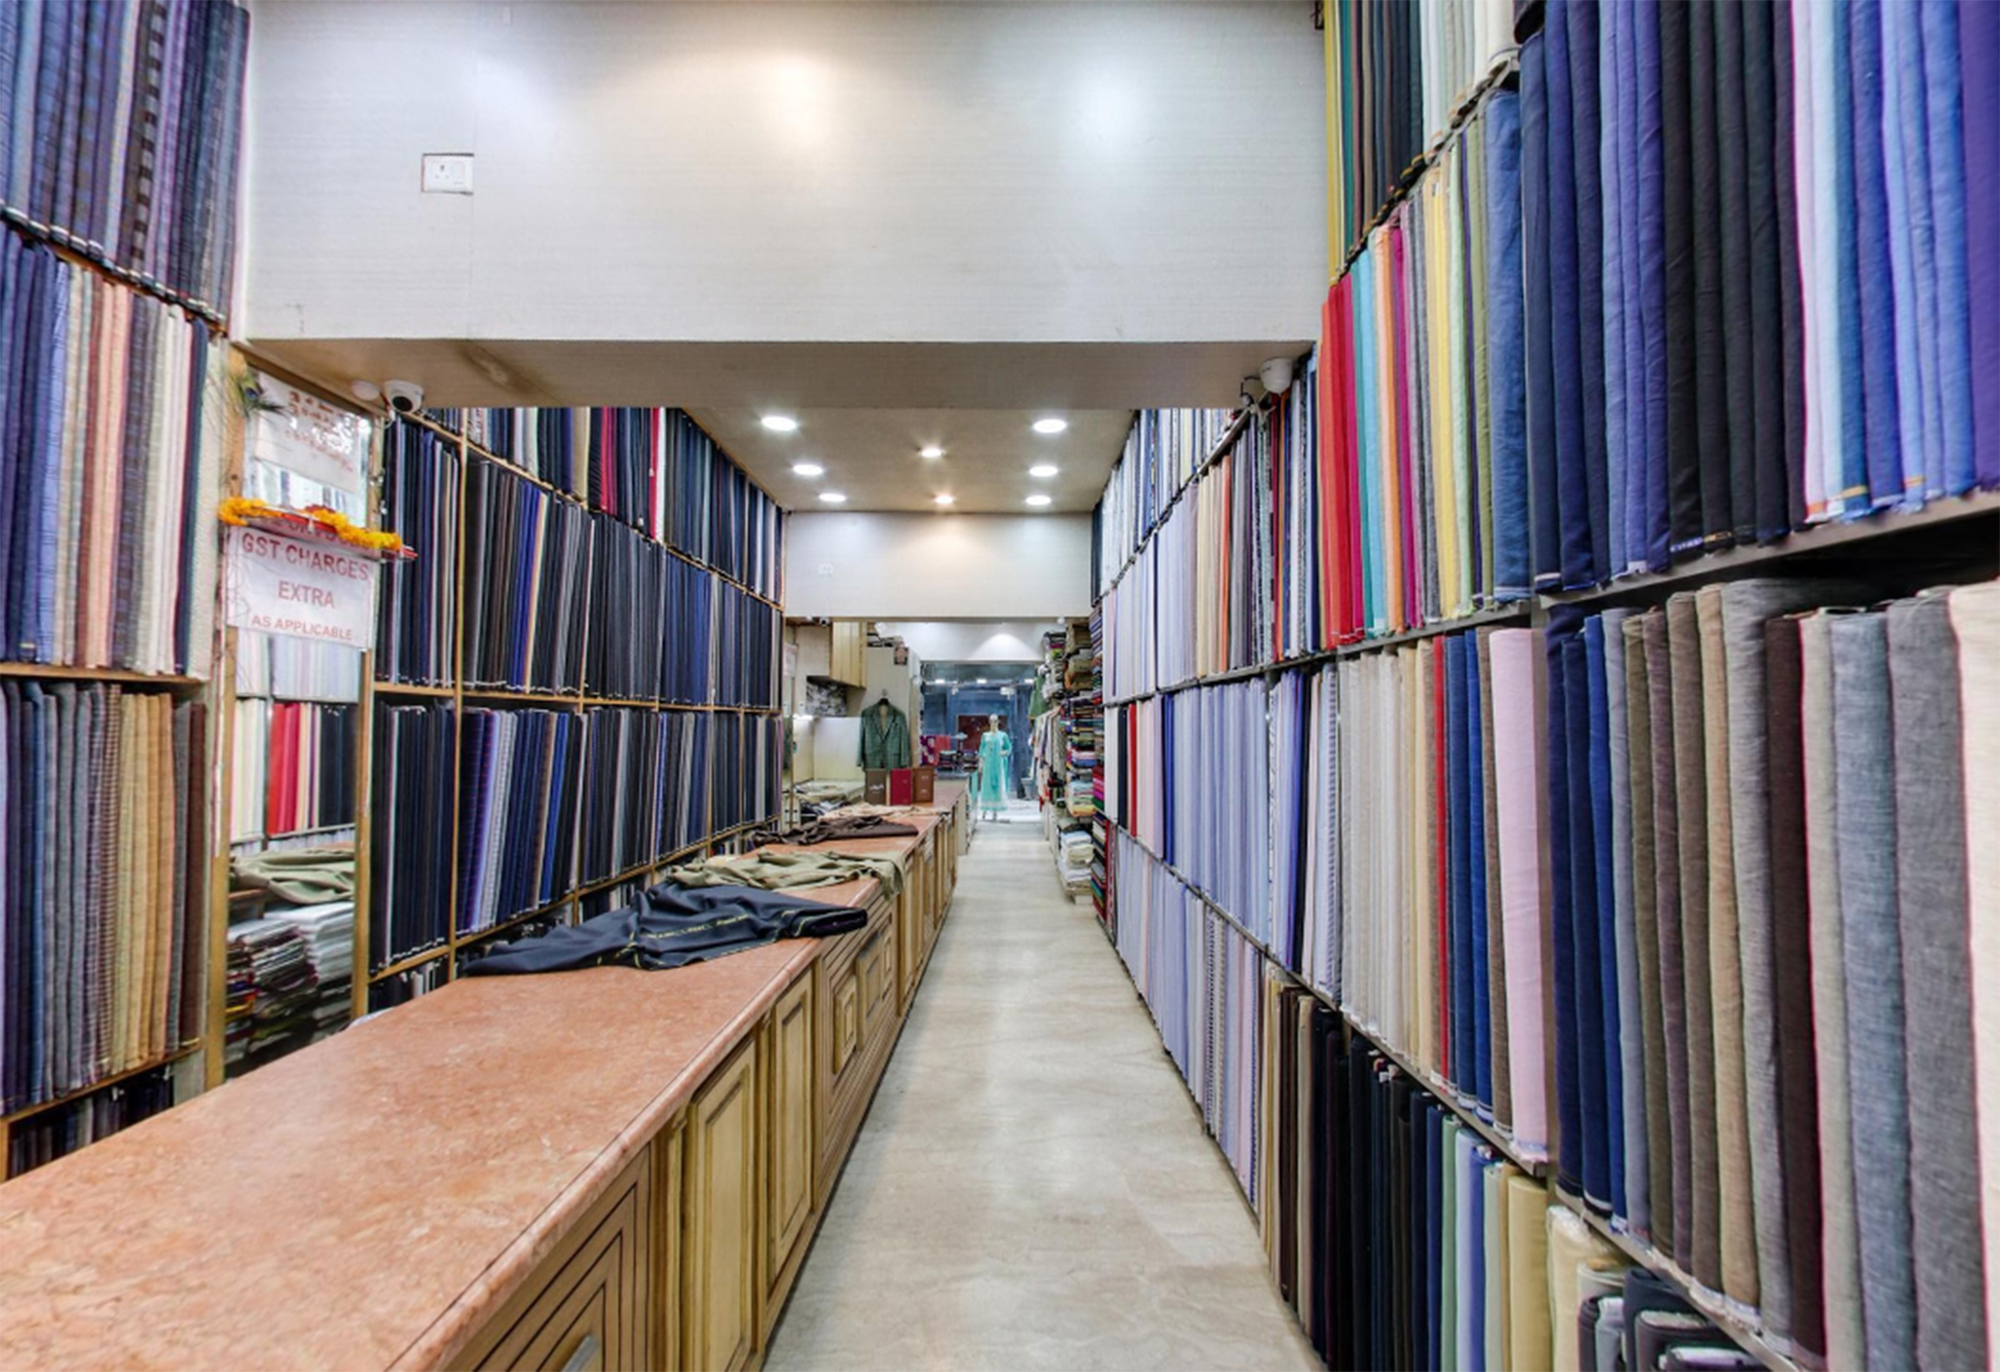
x: 1791, y: 952
x: 1646, y: 926
x: 1673, y: 953
x: 1691, y: 801
x: 1734, y: 1199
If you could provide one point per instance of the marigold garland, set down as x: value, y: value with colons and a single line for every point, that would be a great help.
x: 240, y: 510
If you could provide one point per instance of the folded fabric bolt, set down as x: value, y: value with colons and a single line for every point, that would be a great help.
x: 862, y: 808
x: 303, y: 876
x: 824, y: 830
x: 790, y: 871
x: 673, y: 926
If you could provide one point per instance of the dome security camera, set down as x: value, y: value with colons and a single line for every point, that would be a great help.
x: 405, y: 397
x: 1276, y: 374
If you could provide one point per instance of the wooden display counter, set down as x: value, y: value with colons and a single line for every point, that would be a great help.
x: 591, y: 1169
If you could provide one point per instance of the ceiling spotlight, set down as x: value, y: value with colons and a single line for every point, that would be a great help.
x: 808, y: 469
x: 780, y: 423
x: 1050, y: 425
x: 833, y: 497
x: 1038, y: 500
x: 1044, y: 469
x: 944, y: 499
x: 932, y: 451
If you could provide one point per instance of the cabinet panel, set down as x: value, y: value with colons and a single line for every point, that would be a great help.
x: 590, y: 1303
x: 858, y: 1031
x: 793, y: 1118
x: 877, y: 980
x: 846, y: 1020
x: 719, y: 1247
x: 667, y: 1248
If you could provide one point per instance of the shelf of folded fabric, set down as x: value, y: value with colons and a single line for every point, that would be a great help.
x: 290, y: 978
x: 1723, y: 1313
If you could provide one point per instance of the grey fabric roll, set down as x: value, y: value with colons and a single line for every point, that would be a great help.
x: 1704, y: 1217
x: 1725, y: 969
x: 1846, y: 1344
x: 1646, y: 928
x: 1673, y: 956
x: 1878, y: 1086
x: 1937, y: 984
x: 1631, y: 1032
x: 1746, y: 606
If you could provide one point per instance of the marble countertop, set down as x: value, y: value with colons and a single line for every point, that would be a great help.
x: 371, y: 1200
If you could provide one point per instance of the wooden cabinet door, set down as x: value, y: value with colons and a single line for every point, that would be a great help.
x: 909, y: 947
x: 793, y: 1114
x: 719, y: 1248
x: 588, y: 1307
x: 667, y: 1187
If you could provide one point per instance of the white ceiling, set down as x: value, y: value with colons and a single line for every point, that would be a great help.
x: 873, y: 457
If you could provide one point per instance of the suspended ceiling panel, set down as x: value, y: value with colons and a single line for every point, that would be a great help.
x: 873, y: 457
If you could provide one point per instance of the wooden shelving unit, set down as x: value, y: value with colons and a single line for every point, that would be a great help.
x: 568, y: 906
x: 202, y: 905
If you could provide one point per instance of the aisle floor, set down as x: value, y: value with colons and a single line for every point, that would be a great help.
x: 1033, y: 1188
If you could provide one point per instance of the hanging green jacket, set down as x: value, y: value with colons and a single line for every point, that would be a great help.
x: 885, y: 737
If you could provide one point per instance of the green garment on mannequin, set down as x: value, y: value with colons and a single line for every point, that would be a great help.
x: 996, y: 769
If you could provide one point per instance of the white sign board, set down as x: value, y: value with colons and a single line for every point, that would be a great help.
x: 277, y: 585
x: 304, y: 434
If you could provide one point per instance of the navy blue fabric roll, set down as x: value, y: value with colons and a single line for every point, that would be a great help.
x: 1676, y: 210
x: 1739, y: 335
x: 1587, y: 968
x: 1879, y: 401
x: 1769, y: 500
x: 1506, y: 347
x: 1451, y: 662
x: 1544, y: 538
x: 1650, y: 533
x: 1481, y: 846
x: 1610, y: 1016
x: 1979, y: 71
x: 1594, y: 563
x: 1711, y: 411
x: 1563, y: 627
x: 1571, y: 477
x: 1945, y: 126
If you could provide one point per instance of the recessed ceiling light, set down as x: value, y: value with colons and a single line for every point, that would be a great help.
x: 833, y: 497
x: 780, y: 423
x: 1049, y: 425
x: 1044, y: 469
x: 932, y: 451
x: 1038, y: 500
x: 944, y: 499
x: 808, y: 469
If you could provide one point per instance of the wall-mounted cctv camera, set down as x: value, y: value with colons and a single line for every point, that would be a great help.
x: 1276, y: 375
x: 405, y: 397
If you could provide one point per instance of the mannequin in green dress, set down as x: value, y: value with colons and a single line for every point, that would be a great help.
x: 996, y: 768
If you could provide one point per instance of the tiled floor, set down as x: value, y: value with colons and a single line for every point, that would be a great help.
x: 1033, y: 1188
